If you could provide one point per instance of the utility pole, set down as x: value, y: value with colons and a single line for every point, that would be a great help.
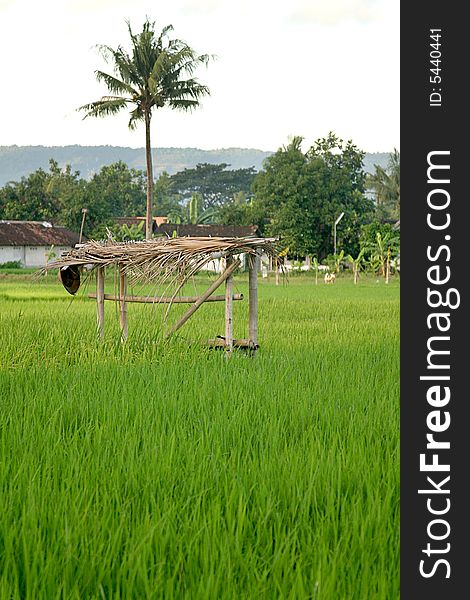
x: 84, y: 212
x: 334, y: 231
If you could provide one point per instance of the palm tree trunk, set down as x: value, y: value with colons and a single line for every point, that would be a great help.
x: 148, y: 152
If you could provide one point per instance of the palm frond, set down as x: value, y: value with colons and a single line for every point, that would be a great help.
x: 188, y: 89
x: 108, y: 105
x: 116, y: 86
x: 137, y: 116
x: 156, y: 71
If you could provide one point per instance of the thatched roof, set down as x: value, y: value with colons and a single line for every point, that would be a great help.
x: 162, y: 260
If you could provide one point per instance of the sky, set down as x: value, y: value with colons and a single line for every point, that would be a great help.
x: 303, y: 67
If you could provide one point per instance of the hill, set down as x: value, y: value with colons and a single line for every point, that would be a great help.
x: 17, y: 161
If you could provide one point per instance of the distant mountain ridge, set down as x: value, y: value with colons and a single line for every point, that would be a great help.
x: 19, y: 161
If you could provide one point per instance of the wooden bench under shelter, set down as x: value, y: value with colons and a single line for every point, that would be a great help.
x: 172, y: 262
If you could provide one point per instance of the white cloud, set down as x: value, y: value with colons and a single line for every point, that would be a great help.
x: 332, y: 12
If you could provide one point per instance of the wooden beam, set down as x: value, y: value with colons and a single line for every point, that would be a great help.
x: 253, y: 298
x: 220, y: 342
x: 203, y: 297
x: 100, y: 300
x: 167, y: 300
x: 123, y: 322
x: 229, y: 309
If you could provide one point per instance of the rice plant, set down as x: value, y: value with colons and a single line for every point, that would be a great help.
x: 151, y: 470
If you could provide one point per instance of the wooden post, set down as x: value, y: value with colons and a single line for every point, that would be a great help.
x: 387, y: 269
x: 100, y: 300
x: 122, y: 303
x: 229, y: 308
x: 192, y: 309
x: 253, y: 298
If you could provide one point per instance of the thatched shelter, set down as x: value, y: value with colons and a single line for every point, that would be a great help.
x: 172, y: 262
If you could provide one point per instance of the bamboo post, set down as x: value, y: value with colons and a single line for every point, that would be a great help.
x: 100, y: 300
x: 192, y: 309
x: 229, y: 308
x: 253, y: 298
x: 122, y: 303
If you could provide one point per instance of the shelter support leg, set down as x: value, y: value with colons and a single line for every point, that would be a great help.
x: 100, y: 300
x: 229, y: 309
x: 253, y: 298
x: 123, y: 322
x: 228, y: 271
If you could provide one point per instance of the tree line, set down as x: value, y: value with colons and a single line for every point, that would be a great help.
x: 297, y: 196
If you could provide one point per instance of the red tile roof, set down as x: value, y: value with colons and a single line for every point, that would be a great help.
x: 35, y: 233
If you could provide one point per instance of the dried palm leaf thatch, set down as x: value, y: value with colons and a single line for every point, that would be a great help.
x: 166, y: 260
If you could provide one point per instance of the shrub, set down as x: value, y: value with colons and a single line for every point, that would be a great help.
x: 12, y: 264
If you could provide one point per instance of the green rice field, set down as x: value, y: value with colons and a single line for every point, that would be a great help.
x: 165, y: 470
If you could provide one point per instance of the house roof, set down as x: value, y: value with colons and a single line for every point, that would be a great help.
x: 189, y: 230
x: 35, y: 233
x: 138, y: 220
x: 186, y: 230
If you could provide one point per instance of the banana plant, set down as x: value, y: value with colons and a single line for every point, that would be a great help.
x: 337, y: 258
x: 356, y: 264
x: 198, y: 217
x: 315, y: 267
x: 382, y: 251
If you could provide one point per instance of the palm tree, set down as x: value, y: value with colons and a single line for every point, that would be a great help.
x: 386, y: 185
x: 151, y: 76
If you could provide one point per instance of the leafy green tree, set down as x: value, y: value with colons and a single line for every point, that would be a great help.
x: 116, y: 191
x: 303, y: 194
x: 385, y: 183
x: 151, y: 76
x: 216, y: 184
x: 29, y: 199
x: 68, y: 191
x: 242, y: 211
x: 165, y: 198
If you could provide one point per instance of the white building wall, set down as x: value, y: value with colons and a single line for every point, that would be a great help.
x: 36, y: 256
x: 11, y: 253
x: 30, y: 256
